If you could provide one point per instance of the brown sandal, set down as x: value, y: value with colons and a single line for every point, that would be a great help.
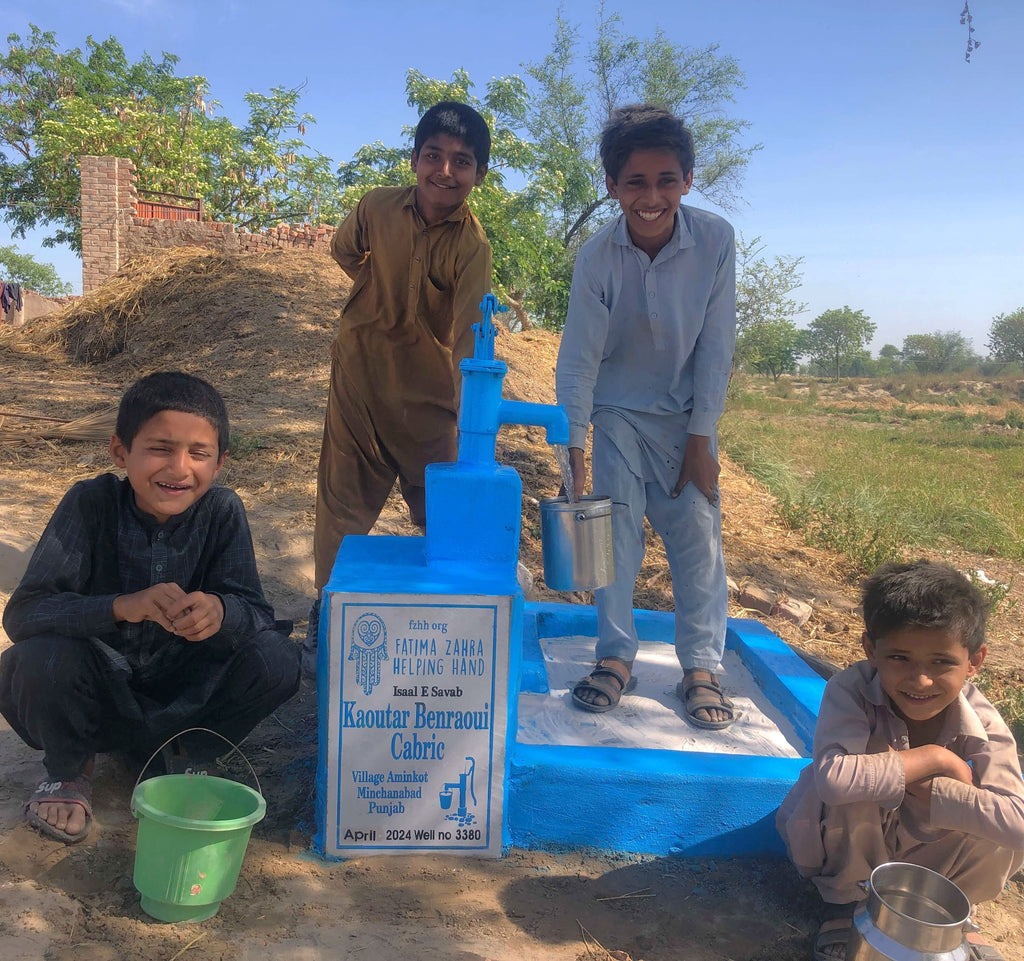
x: 611, y: 678
x: 700, y: 695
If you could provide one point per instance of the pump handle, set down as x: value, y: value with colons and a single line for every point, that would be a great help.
x: 483, y: 345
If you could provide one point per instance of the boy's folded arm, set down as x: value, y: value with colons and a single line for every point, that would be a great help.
x: 842, y: 778
x: 993, y: 806
x: 979, y: 811
x: 55, y: 593
x: 348, y: 246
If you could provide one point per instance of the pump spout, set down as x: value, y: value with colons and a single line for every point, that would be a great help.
x: 549, y: 416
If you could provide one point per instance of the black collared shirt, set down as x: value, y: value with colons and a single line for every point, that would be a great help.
x: 98, y: 545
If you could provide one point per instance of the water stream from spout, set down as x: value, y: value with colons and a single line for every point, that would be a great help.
x: 564, y: 465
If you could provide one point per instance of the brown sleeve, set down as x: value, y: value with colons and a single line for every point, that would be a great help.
x: 472, y: 282
x: 348, y: 245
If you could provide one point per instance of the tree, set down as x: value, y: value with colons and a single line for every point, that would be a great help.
x: 1006, y: 337
x: 889, y: 359
x: 548, y: 135
x: 837, y: 338
x: 26, y: 270
x: 570, y: 107
x: 57, y: 105
x: 770, y: 347
x: 937, y: 353
x: 765, y: 333
x: 763, y: 289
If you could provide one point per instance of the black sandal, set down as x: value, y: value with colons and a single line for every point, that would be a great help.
x: 611, y: 678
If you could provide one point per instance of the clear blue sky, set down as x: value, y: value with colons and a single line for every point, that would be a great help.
x: 894, y: 168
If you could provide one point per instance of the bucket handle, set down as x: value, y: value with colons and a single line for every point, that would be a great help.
x: 189, y: 730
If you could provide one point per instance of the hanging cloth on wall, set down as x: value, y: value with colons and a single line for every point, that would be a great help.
x: 10, y: 297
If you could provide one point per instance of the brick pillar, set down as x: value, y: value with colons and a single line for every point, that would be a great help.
x: 108, y: 204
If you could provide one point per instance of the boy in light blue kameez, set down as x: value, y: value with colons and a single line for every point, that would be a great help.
x: 645, y: 356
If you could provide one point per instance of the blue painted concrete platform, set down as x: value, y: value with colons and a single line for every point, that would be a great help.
x: 662, y: 802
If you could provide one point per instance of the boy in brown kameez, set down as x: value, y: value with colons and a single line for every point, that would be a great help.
x: 420, y: 264
x: 911, y: 762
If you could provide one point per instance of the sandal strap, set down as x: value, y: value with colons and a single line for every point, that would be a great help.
x: 78, y: 791
x: 612, y: 667
x: 717, y: 695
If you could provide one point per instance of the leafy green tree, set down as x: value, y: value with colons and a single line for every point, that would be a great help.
x: 889, y: 359
x: 1006, y: 337
x: 938, y: 352
x: 570, y: 107
x: 836, y: 339
x: 763, y: 288
x: 770, y: 347
x: 57, y: 105
x: 767, y: 340
x: 26, y: 270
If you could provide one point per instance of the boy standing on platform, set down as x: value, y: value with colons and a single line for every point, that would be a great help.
x: 645, y: 356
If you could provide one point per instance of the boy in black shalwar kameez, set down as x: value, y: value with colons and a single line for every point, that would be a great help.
x: 141, y: 612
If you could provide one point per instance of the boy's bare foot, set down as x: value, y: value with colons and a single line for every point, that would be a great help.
x: 704, y: 700
x: 67, y: 814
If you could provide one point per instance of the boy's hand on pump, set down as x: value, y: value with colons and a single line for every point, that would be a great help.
x: 579, y: 471
x: 699, y: 466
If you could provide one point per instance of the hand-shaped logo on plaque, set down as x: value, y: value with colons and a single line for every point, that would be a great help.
x: 369, y: 648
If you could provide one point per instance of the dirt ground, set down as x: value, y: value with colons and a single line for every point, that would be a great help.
x: 259, y: 328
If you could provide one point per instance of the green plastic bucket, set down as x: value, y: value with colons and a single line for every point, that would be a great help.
x: 192, y: 834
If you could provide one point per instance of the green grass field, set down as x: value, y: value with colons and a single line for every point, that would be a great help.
x: 878, y: 479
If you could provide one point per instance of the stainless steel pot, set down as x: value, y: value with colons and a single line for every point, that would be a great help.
x: 577, y: 543
x: 911, y: 914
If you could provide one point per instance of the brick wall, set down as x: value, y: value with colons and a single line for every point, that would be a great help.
x: 108, y: 202
x: 111, y: 233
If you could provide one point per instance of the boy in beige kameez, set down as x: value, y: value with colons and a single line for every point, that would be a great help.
x: 420, y: 265
x: 911, y: 762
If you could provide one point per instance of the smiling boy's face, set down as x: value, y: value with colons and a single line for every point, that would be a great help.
x: 446, y: 171
x: 171, y: 464
x: 922, y: 670
x: 649, y: 187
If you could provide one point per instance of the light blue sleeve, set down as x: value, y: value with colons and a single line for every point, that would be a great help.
x: 582, y: 348
x: 712, y: 360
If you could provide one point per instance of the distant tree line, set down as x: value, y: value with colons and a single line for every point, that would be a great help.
x: 834, y: 345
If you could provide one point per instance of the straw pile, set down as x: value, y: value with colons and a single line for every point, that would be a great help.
x: 97, y: 426
x: 178, y: 308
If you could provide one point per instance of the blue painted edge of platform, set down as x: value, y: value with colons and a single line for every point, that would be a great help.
x: 610, y: 799
x: 640, y: 795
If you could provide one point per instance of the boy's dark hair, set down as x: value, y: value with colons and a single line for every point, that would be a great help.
x: 924, y: 594
x: 457, y: 120
x: 171, y: 390
x: 643, y: 126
